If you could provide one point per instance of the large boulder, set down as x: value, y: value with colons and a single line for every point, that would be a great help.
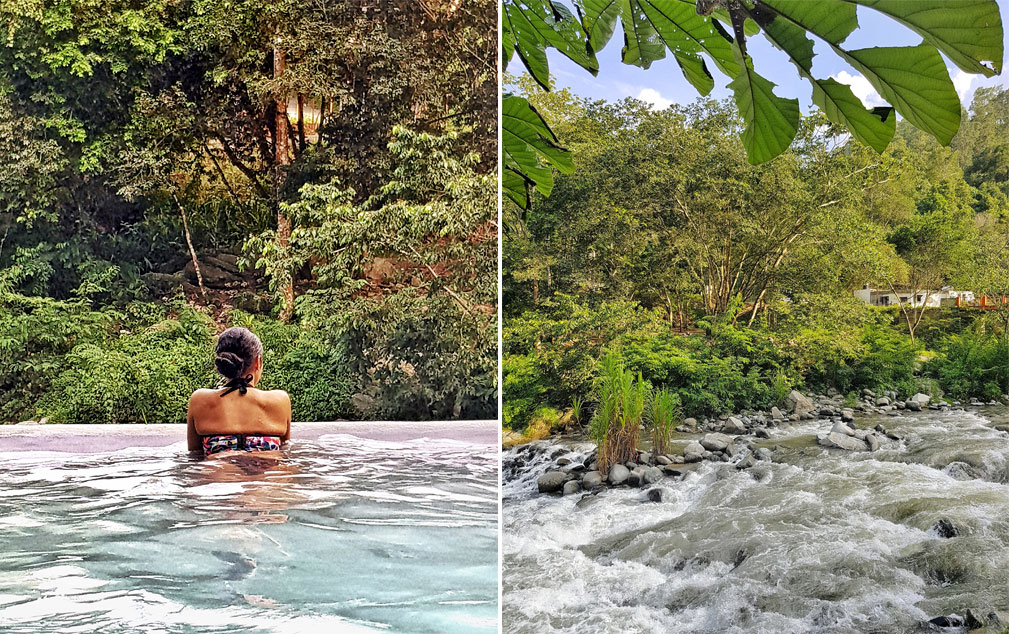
x: 922, y: 399
x: 799, y: 404
x: 618, y: 474
x: 841, y: 428
x: 651, y: 475
x: 733, y: 426
x: 551, y: 481
x: 571, y: 487
x: 841, y: 441
x: 592, y: 480
x: 715, y: 442
x: 912, y: 405
x: 693, y: 452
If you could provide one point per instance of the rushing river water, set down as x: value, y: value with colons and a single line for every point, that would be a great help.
x: 340, y: 534
x: 817, y: 541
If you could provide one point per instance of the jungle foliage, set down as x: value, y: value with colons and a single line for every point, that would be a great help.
x: 148, y: 151
x: 729, y: 284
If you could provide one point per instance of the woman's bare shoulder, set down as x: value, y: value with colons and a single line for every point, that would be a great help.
x: 277, y: 396
x: 201, y: 395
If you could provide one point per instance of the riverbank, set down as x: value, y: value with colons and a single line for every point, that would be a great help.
x: 807, y: 538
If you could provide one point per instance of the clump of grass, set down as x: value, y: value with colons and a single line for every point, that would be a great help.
x: 617, y: 420
x: 663, y: 415
x: 576, y: 409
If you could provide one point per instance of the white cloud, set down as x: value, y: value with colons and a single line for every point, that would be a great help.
x: 652, y: 96
x: 961, y: 82
x: 861, y: 87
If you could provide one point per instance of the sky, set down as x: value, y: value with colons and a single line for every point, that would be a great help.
x: 663, y: 84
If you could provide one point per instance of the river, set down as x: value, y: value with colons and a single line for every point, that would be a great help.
x: 819, y: 540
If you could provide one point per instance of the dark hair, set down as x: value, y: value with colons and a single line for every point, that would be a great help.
x: 237, y: 349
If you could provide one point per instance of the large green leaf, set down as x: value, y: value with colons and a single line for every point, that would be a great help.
x: 530, y: 151
x: 874, y: 127
x: 915, y: 81
x: 771, y: 121
x: 969, y: 32
x: 532, y: 26
x: 642, y: 44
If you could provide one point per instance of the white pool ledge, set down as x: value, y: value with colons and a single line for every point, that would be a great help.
x: 99, y: 438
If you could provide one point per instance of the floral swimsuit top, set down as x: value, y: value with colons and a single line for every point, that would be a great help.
x: 239, y: 442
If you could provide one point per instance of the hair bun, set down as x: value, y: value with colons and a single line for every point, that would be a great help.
x: 229, y: 364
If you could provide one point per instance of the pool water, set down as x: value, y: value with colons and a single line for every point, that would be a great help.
x: 338, y: 533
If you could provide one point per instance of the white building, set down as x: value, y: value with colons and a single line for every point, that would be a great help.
x: 912, y: 297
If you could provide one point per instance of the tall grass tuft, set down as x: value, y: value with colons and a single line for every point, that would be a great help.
x: 617, y: 420
x: 663, y: 415
x: 576, y: 409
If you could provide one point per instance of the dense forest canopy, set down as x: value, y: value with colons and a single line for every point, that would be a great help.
x: 179, y: 165
x: 666, y: 238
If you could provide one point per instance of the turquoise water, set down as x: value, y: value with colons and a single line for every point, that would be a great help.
x: 339, y: 534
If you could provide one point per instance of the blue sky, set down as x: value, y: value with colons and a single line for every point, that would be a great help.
x: 663, y: 83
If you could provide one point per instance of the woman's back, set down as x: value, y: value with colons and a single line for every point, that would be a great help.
x: 255, y: 412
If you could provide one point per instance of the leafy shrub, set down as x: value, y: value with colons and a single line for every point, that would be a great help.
x: 35, y: 334
x: 524, y: 389
x: 146, y: 376
x: 972, y: 363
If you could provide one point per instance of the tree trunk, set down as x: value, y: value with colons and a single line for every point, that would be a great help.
x: 192, y: 251
x: 281, y: 161
x: 536, y: 292
x: 301, y: 123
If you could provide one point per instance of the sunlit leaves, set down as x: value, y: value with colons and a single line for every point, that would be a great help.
x: 530, y: 151
x: 912, y: 79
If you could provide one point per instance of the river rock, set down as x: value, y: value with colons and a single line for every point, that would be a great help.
x: 747, y: 462
x: 571, y: 487
x: 671, y: 471
x: 764, y: 454
x: 644, y: 457
x: 913, y: 406
x: 921, y: 399
x: 882, y: 401
x: 551, y: 481
x: 592, y: 480
x: 950, y: 620
x: 776, y: 414
x: 693, y: 451
x: 799, y: 404
x: 715, y: 442
x: 636, y: 478
x: 840, y: 441
x: 651, y: 475
x: 841, y: 428
x: 945, y: 528
x: 872, y: 440
x: 761, y: 432
x: 663, y: 460
x: 733, y: 426
x: 848, y: 415
x: 618, y: 474
x: 972, y: 619
x: 690, y: 423
x: 962, y: 471
x: 563, y: 462
x: 658, y: 494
